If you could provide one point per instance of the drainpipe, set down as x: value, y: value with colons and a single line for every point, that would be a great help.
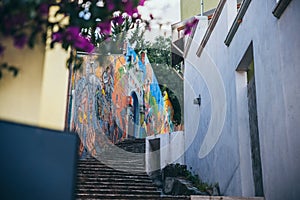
x: 201, y: 7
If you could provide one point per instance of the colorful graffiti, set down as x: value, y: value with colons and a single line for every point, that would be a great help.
x: 117, y: 97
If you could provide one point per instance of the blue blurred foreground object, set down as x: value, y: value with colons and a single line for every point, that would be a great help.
x: 36, y: 163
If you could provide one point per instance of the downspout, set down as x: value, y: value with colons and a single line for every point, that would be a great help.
x: 201, y: 7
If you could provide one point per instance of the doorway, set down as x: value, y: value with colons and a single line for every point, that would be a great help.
x: 133, y: 121
x: 247, y: 67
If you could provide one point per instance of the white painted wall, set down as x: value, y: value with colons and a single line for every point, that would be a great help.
x: 171, y: 150
x: 225, y: 145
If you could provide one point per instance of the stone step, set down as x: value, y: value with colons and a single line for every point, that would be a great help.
x: 121, y: 159
x: 156, y: 198
x: 119, y: 186
x: 105, y: 162
x: 126, y: 196
x: 110, y: 183
x: 197, y: 197
x: 110, y: 176
x: 117, y: 191
x: 124, y: 170
x: 120, y: 169
x: 108, y: 172
x: 116, y: 154
x: 112, y: 179
x: 111, y: 165
x: 120, y: 175
x: 115, y: 159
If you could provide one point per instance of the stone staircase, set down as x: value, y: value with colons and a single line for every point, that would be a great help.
x: 118, y: 173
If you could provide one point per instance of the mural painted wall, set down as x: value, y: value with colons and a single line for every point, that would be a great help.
x: 117, y: 97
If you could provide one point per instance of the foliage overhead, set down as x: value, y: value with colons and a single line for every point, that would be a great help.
x: 78, y: 24
x: 87, y: 21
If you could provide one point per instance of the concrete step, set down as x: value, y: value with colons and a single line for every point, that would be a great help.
x: 113, y: 163
x: 118, y: 175
x: 120, y: 186
x: 197, y: 197
x: 123, y: 170
x: 110, y: 176
x: 93, y: 191
x: 110, y: 183
x: 110, y: 166
x: 156, y: 198
x: 124, y: 162
x: 107, y: 179
x: 108, y: 172
x: 126, y: 196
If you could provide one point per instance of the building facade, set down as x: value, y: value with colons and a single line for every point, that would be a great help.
x: 189, y: 8
x: 244, y: 135
x: 38, y: 94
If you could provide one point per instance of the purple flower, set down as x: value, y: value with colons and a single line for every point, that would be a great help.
x: 142, y: 2
x: 189, y: 26
x: 71, y: 33
x: 83, y: 44
x: 2, y: 48
x: 110, y: 5
x: 129, y: 8
x: 105, y: 27
x: 72, y: 36
x: 118, y: 20
x: 20, y: 41
x: 57, y: 37
x: 43, y: 9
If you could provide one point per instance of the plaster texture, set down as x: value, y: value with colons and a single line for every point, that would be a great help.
x: 170, y: 149
x: 276, y: 50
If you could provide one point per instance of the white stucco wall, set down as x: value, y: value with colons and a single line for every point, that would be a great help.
x: 171, y: 150
x: 276, y: 50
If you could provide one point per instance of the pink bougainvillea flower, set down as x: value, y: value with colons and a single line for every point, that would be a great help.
x: 105, y: 27
x: 20, y: 41
x: 72, y: 36
x: 118, y: 20
x: 142, y: 2
x: 110, y: 5
x: 72, y: 33
x: 43, y: 9
x: 189, y: 26
x: 57, y: 37
x: 136, y: 15
x: 129, y: 7
x: 84, y: 44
